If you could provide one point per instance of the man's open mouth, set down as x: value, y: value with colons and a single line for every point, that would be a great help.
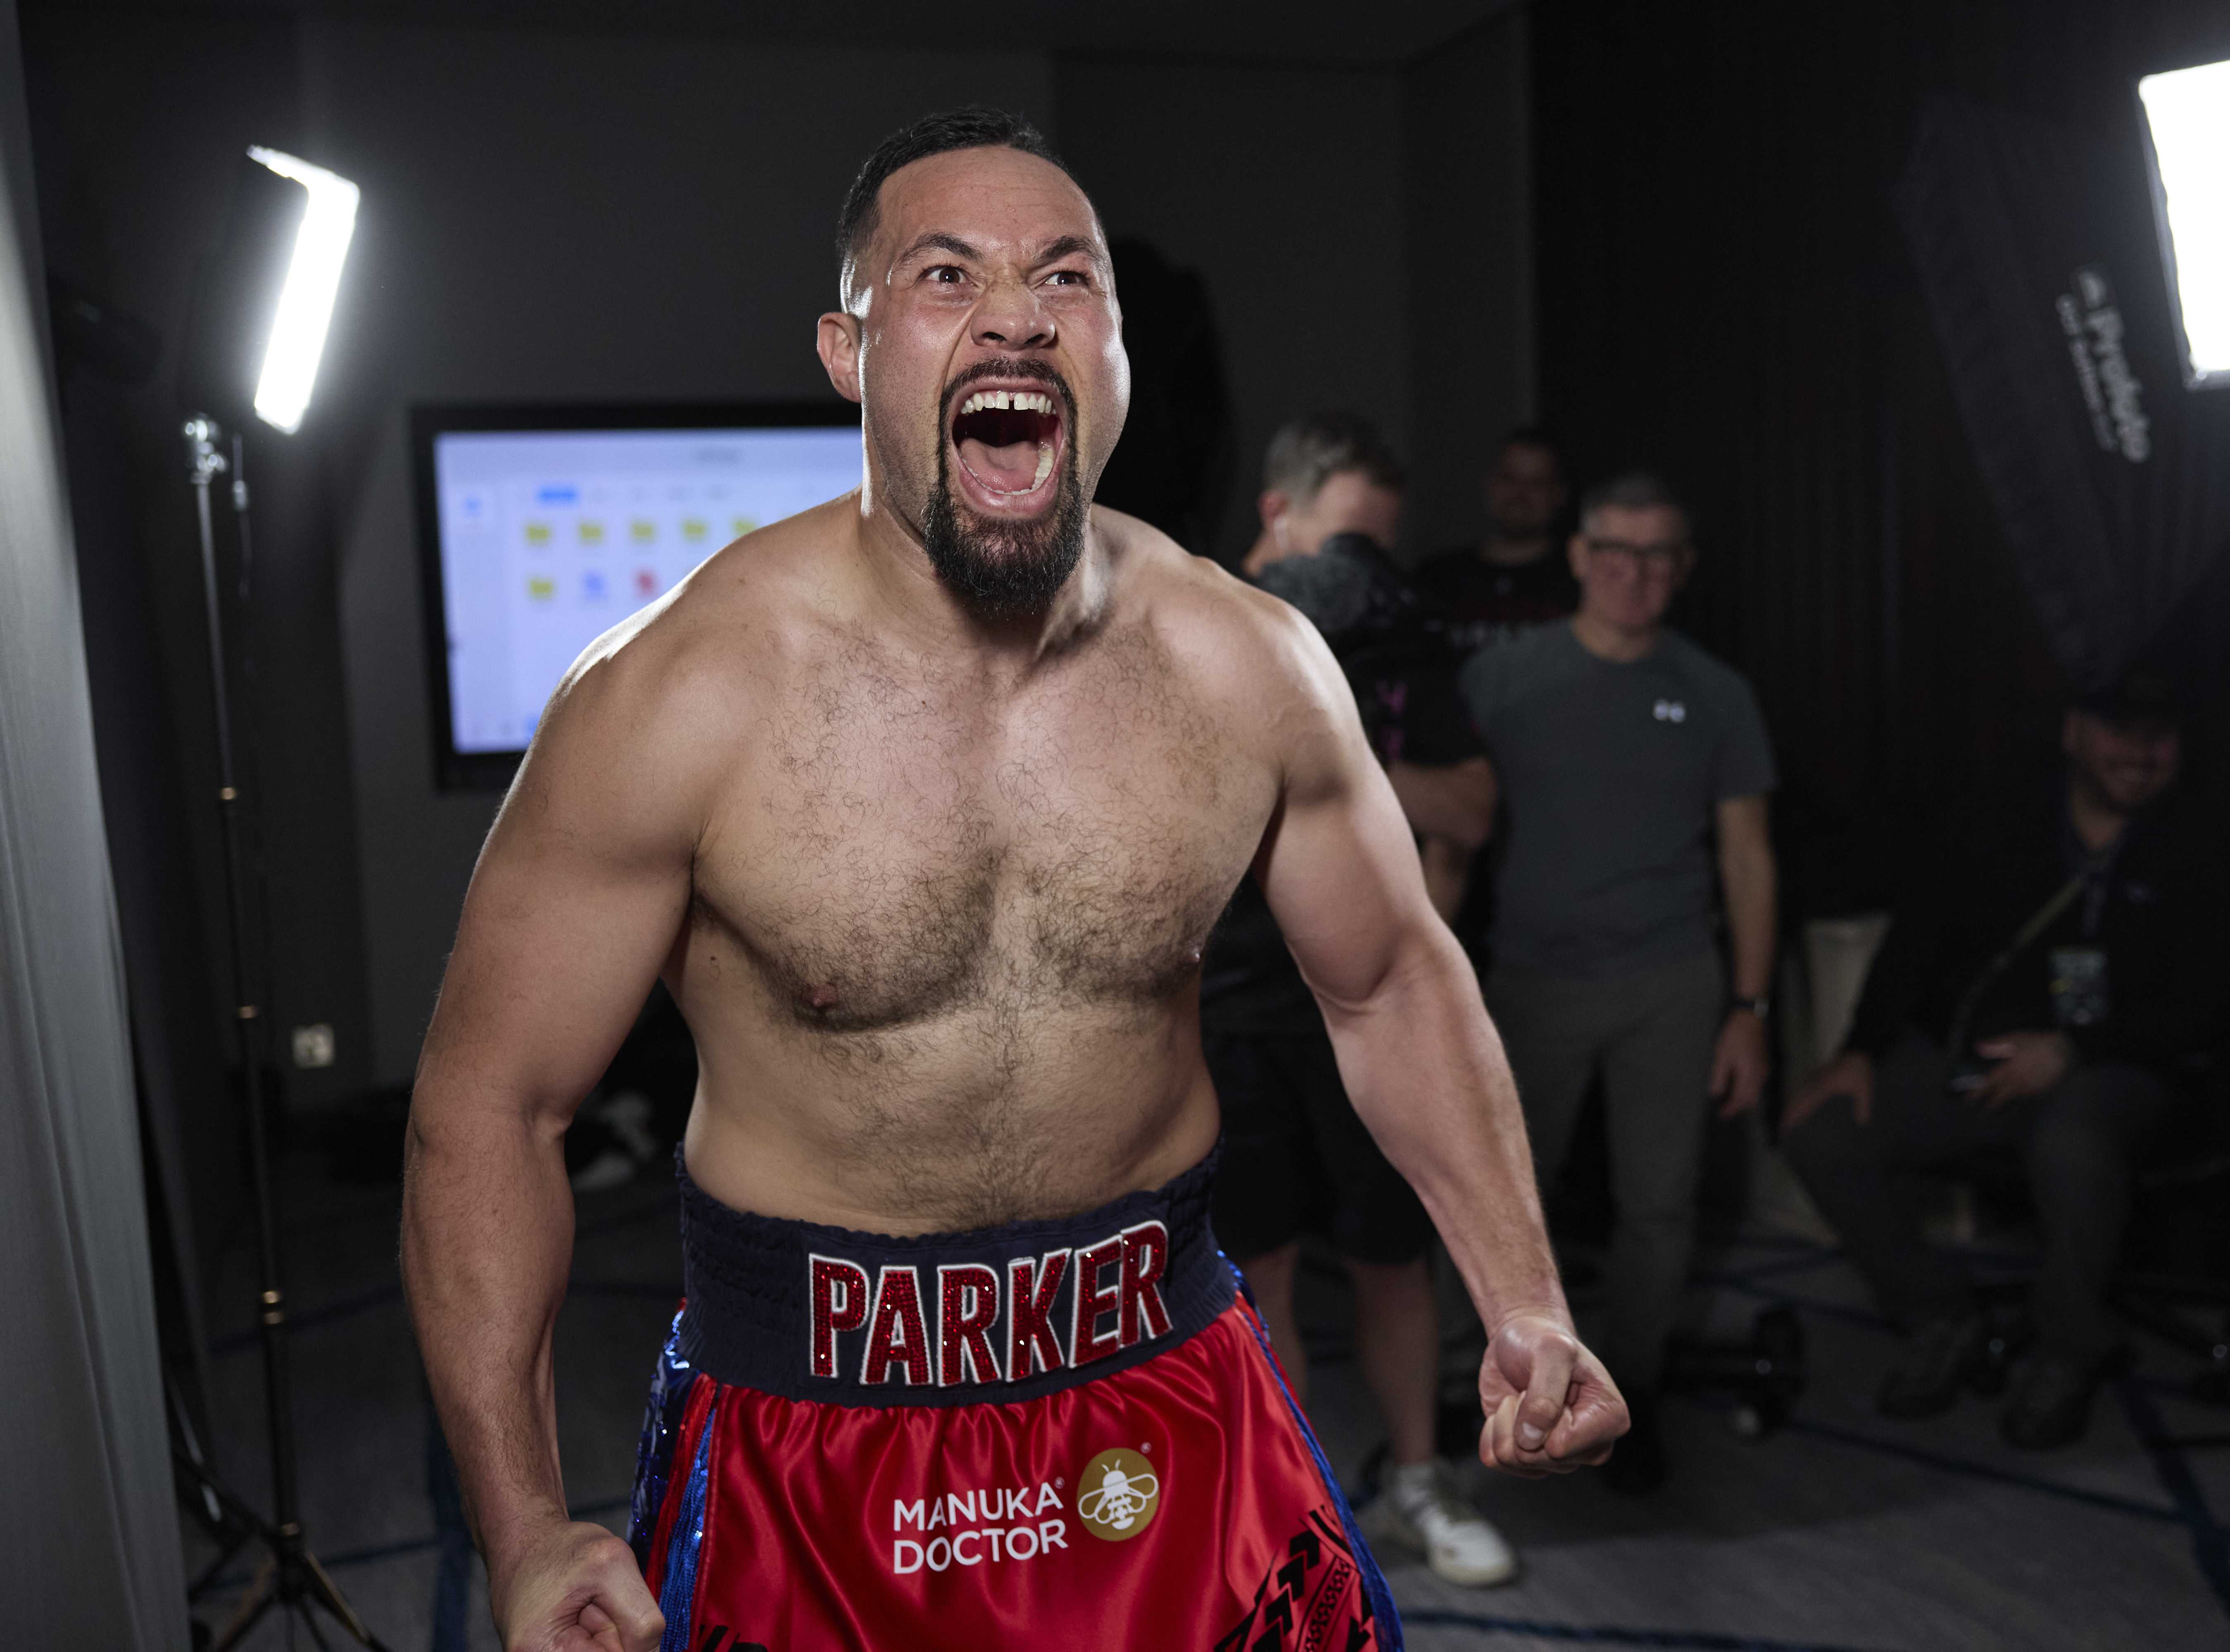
x: 1008, y: 441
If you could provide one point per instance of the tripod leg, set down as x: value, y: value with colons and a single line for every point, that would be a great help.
x: 322, y: 1591
x: 262, y: 1596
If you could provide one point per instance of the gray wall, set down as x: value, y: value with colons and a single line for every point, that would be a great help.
x: 576, y: 216
x: 1282, y: 187
x: 139, y: 120
x: 566, y: 217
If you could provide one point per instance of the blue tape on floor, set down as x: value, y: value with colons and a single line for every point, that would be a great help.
x: 1751, y: 1272
x: 1862, y: 1316
x: 2209, y: 1548
x: 1700, y: 1640
x: 1988, y: 1471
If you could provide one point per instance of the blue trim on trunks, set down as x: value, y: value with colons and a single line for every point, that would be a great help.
x: 1388, y: 1631
x: 677, y: 1599
x: 653, y: 1456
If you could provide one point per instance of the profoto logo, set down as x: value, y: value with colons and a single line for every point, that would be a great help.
x: 1117, y: 1495
x: 2093, y: 325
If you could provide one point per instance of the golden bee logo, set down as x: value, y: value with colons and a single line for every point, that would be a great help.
x: 1116, y: 1496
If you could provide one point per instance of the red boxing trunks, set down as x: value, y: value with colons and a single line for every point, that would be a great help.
x: 1054, y: 1433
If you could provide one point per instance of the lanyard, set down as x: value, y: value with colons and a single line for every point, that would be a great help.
x: 2042, y: 919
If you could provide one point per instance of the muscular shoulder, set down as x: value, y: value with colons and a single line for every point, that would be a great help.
x: 648, y: 718
x: 1237, y: 647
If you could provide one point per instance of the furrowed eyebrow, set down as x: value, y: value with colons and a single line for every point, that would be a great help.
x: 1066, y: 245
x: 938, y: 241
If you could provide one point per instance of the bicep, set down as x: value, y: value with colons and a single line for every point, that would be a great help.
x: 1340, y: 867
x: 579, y: 894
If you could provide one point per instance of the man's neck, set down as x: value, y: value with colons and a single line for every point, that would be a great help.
x: 1498, y: 552
x: 904, y: 588
x: 1617, y: 644
x: 2098, y: 822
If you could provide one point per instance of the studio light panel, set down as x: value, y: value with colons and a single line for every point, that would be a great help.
x: 306, y: 303
x: 2187, y: 120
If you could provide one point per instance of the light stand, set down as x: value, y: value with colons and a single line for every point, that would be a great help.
x: 289, y: 1577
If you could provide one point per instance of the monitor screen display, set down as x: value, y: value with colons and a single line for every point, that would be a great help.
x: 543, y: 538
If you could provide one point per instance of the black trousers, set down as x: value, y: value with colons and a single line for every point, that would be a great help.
x: 2079, y: 1142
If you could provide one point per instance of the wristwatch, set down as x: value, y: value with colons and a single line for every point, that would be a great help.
x: 1759, y: 1007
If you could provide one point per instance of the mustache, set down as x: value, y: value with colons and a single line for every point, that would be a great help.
x: 1024, y: 367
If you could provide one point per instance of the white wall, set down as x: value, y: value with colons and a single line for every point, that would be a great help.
x: 566, y: 217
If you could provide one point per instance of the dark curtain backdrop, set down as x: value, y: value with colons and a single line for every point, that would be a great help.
x: 1723, y: 295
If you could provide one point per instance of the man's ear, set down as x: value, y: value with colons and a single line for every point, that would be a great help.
x: 1687, y: 567
x: 837, y: 339
x: 1270, y: 506
x: 1576, y: 553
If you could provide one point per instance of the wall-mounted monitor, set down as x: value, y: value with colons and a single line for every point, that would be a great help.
x: 540, y: 528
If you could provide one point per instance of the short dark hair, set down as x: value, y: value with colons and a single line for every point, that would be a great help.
x: 976, y: 126
x: 1307, y: 452
x: 1534, y: 436
x: 1634, y: 490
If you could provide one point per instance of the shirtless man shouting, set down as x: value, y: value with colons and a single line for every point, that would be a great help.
x: 923, y: 803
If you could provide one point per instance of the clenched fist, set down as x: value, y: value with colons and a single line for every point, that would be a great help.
x: 1551, y: 1406
x: 574, y: 1588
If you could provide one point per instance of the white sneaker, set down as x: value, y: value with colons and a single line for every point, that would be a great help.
x: 1418, y: 1509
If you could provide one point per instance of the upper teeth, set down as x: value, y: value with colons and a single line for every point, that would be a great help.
x: 1019, y: 400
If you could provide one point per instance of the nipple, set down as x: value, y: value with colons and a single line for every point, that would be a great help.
x: 820, y: 998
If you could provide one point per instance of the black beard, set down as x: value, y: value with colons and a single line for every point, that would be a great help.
x: 1002, y: 569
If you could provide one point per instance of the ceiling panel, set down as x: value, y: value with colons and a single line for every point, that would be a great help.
x: 1379, y: 32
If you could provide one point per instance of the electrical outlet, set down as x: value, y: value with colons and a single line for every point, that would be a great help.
x: 313, y: 1045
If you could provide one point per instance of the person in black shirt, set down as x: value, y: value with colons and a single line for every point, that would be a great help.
x: 1517, y: 577
x: 1295, y: 1155
x: 1493, y: 590
x: 2049, y: 983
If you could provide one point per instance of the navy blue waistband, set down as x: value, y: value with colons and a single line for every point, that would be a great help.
x: 827, y: 1313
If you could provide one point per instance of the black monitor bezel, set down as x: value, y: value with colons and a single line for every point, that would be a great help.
x: 480, y: 771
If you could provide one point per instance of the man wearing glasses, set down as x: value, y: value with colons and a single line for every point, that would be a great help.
x: 1632, y: 769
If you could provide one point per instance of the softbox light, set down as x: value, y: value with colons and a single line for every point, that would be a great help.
x: 2187, y: 144
x: 264, y: 296
x: 2036, y: 252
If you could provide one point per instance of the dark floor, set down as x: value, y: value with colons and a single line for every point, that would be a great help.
x: 1840, y: 1531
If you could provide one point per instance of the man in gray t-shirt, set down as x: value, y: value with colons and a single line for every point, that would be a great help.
x: 1632, y: 769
